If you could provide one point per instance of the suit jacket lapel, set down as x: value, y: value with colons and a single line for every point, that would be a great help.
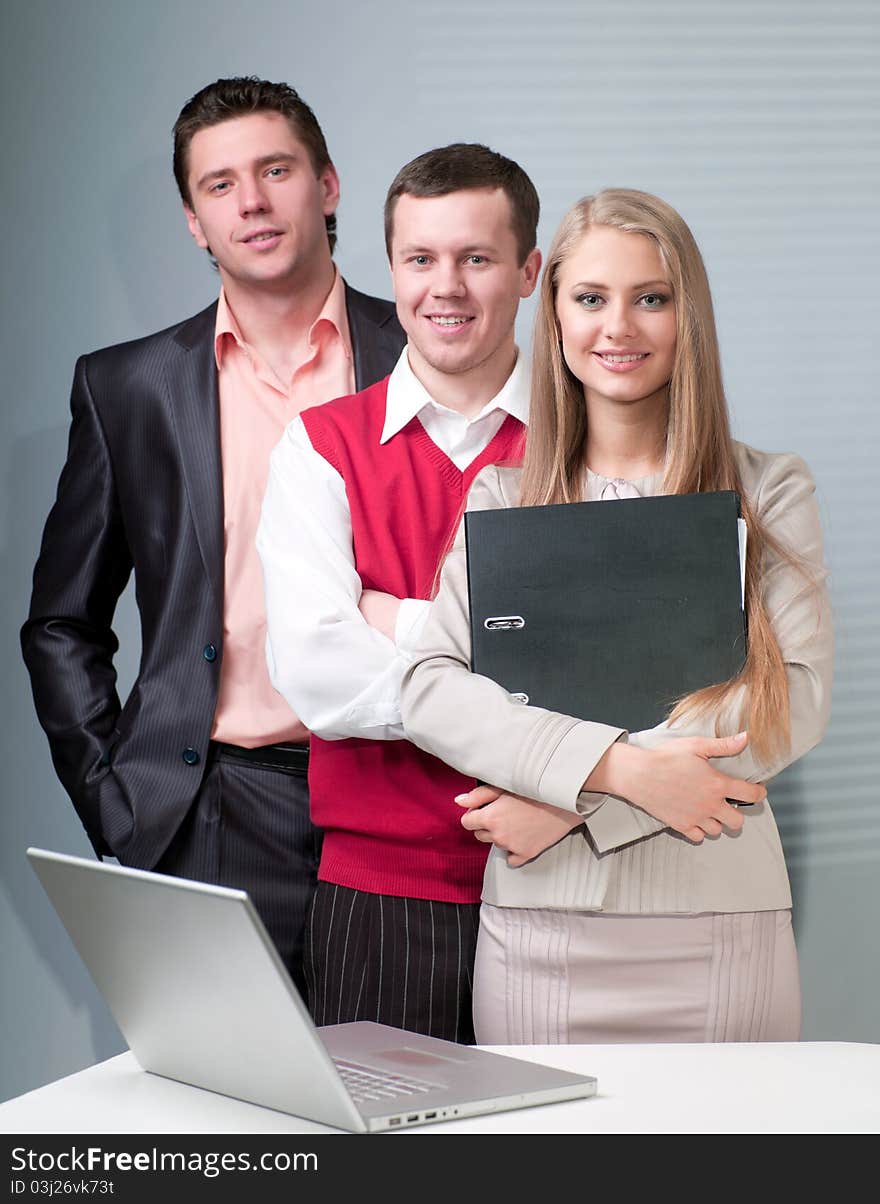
x: 373, y: 346
x: 191, y: 377
x: 192, y: 386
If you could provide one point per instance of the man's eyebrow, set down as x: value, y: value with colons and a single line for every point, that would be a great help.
x: 277, y: 157
x: 422, y: 249
x: 264, y: 160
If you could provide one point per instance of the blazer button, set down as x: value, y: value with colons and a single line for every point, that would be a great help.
x: 209, y: 652
x: 190, y: 756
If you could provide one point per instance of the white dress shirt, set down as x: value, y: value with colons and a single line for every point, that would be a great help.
x: 341, y: 676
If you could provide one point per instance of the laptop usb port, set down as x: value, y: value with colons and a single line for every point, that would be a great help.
x: 430, y: 1116
x: 415, y: 1116
x: 394, y: 1120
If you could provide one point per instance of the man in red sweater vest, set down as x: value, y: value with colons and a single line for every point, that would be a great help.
x: 363, y: 498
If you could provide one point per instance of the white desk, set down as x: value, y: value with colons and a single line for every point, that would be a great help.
x: 812, y: 1087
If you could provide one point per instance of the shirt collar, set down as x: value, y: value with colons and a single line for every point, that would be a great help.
x: 407, y: 396
x: 225, y: 328
x: 333, y: 315
x: 639, y: 486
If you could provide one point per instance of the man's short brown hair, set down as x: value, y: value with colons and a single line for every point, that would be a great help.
x: 464, y: 165
x: 239, y: 97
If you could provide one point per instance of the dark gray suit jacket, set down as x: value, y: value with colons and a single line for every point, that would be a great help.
x: 142, y: 490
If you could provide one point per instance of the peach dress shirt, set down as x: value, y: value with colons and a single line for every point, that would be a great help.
x: 255, y: 408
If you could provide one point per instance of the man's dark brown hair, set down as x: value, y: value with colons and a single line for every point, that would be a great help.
x: 238, y: 97
x: 464, y: 165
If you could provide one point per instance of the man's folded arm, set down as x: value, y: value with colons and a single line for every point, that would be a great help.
x: 339, y: 674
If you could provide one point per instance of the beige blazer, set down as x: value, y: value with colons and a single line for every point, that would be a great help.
x: 622, y: 860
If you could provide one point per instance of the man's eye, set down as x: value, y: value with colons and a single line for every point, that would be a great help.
x: 589, y: 300
x: 275, y: 172
x: 477, y: 259
x: 420, y: 260
x: 220, y: 186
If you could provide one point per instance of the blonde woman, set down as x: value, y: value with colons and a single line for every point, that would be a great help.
x: 625, y: 898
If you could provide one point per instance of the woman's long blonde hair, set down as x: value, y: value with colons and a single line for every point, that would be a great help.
x: 699, y: 449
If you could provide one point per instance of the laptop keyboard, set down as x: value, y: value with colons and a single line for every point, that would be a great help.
x: 364, y: 1084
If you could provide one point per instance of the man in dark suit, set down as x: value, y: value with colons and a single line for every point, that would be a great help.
x: 202, y: 773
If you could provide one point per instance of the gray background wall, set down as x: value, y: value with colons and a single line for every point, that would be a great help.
x: 758, y: 120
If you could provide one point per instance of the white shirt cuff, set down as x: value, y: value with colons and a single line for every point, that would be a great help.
x: 409, y: 623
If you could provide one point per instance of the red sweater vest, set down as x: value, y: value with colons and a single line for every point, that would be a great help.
x: 390, y: 823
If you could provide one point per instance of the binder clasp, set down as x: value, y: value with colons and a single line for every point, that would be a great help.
x: 504, y: 622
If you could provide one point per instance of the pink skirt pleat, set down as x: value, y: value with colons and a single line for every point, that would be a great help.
x: 561, y: 977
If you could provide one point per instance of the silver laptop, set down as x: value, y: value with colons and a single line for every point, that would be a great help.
x: 197, y: 987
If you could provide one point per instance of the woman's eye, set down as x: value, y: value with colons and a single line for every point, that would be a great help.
x: 654, y: 300
x: 590, y: 300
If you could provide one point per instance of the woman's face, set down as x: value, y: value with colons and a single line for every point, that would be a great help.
x: 616, y: 317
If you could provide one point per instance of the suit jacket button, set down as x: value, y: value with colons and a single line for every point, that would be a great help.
x: 190, y: 756
x: 209, y: 652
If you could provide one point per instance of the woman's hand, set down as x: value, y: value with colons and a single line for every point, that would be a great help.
x: 521, y: 826
x: 678, y: 784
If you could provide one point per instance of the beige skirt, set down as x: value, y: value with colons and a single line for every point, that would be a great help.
x: 562, y: 977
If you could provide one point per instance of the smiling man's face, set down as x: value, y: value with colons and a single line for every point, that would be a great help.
x: 257, y: 203
x: 458, y: 280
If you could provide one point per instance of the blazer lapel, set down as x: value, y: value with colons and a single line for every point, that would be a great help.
x: 191, y: 379
x: 374, y: 346
x: 192, y: 387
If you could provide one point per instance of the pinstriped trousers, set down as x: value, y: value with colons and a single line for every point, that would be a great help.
x: 560, y: 977
x: 404, y: 962
x: 249, y: 828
